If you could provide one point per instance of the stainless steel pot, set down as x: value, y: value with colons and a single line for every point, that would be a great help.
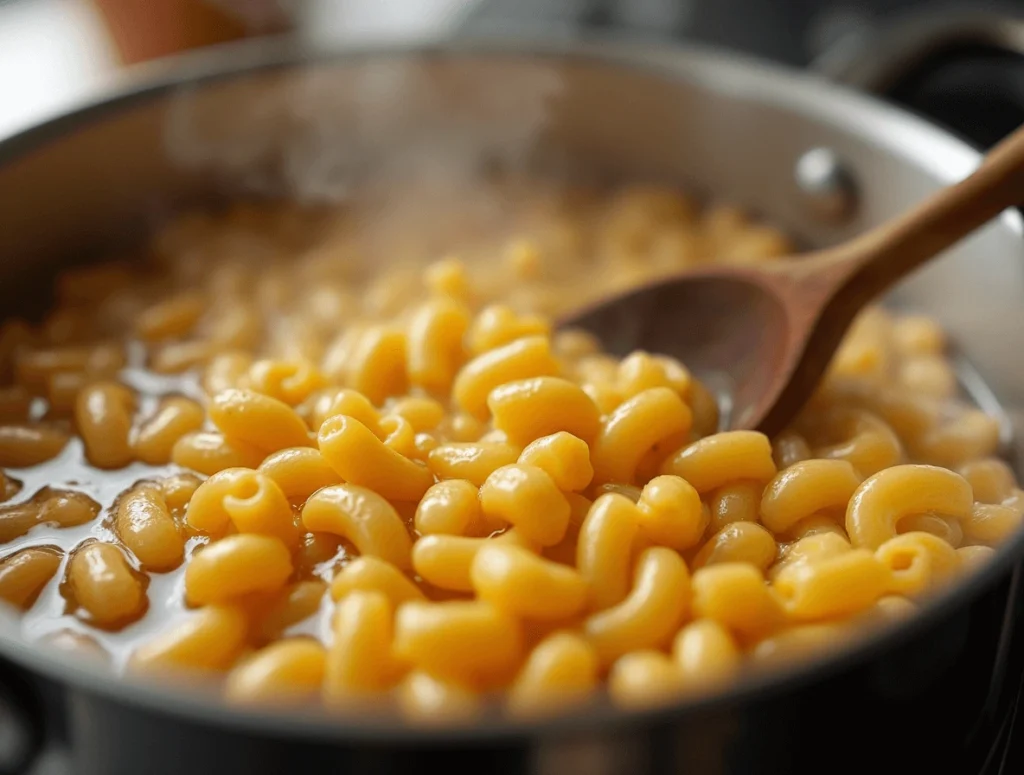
x: 820, y: 161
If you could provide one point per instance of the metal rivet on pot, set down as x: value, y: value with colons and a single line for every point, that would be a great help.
x: 825, y: 184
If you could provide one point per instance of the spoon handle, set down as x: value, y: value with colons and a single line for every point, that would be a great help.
x: 871, y: 263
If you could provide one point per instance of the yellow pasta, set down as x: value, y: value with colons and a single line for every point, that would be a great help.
x: 670, y: 513
x: 467, y: 642
x: 650, y: 614
x: 208, y: 453
x: 520, y: 359
x: 299, y: 472
x: 705, y: 654
x: 426, y: 700
x: 518, y: 581
x: 24, y: 574
x: 745, y: 542
x: 563, y: 457
x: 288, y: 671
x: 528, y: 409
x: 634, y: 428
x: 210, y: 639
x: 806, y: 488
x: 103, y: 414
x: 144, y: 523
x: 450, y: 507
x: 917, y: 562
x: 883, y: 499
x: 561, y: 671
x: 361, y: 458
x: 435, y: 350
x: 364, y: 472
x: 370, y: 574
x: 364, y: 518
x: 471, y: 461
x: 257, y: 420
x: 724, y: 458
x: 250, y: 501
x: 104, y: 585
x: 527, y: 498
x: 176, y: 416
x: 359, y: 658
x: 644, y: 678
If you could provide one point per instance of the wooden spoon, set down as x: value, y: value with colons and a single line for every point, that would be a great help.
x: 770, y: 330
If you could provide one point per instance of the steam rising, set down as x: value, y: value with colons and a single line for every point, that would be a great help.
x: 324, y: 132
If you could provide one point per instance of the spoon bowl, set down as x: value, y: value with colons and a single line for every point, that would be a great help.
x: 761, y: 336
x: 694, y: 318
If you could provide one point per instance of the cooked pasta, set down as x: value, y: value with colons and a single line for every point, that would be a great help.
x: 374, y: 474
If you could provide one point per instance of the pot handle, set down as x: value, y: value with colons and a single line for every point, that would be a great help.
x: 22, y: 729
x: 961, y: 69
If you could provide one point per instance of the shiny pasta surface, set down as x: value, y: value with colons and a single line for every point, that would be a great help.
x: 340, y: 456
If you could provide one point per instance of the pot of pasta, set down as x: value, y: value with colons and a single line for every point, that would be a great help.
x: 300, y: 473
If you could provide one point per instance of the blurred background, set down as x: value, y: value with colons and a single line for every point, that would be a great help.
x: 53, y: 50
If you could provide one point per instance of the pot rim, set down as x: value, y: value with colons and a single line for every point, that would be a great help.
x: 920, y: 143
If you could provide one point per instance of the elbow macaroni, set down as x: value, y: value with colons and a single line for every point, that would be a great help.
x: 401, y: 486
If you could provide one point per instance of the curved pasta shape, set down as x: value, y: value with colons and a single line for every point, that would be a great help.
x: 103, y: 416
x: 250, y: 500
x: 644, y: 678
x: 258, y: 421
x: 604, y: 551
x: 518, y: 581
x: 364, y: 518
x: 472, y: 461
x: 426, y: 700
x: 561, y: 671
x: 705, y: 654
x: 917, y: 562
x: 176, y: 416
x: 237, y: 565
x: 468, y: 642
x: 806, y: 488
x: 446, y: 561
x: 145, y: 525
x: 563, y: 457
x: 435, y: 350
x: 888, y: 496
x: 671, y: 514
x: 527, y: 498
x: 650, y: 614
x: 371, y: 574
x: 359, y: 662
x: 289, y: 381
x: 528, y: 409
x: 633, y: 429
x: 24, y: 574
x: 734, y: 595
x: 724, y: 458
x: 451, y: 507
x: 833, y: 587
x: 521, y: 359
x: 738, y: 542
x: 289, y: 671
x: 868, y: 442
x: 361, y: 458
x: 210, y: 639
x: 299, y: 472
x: 498, y: 325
